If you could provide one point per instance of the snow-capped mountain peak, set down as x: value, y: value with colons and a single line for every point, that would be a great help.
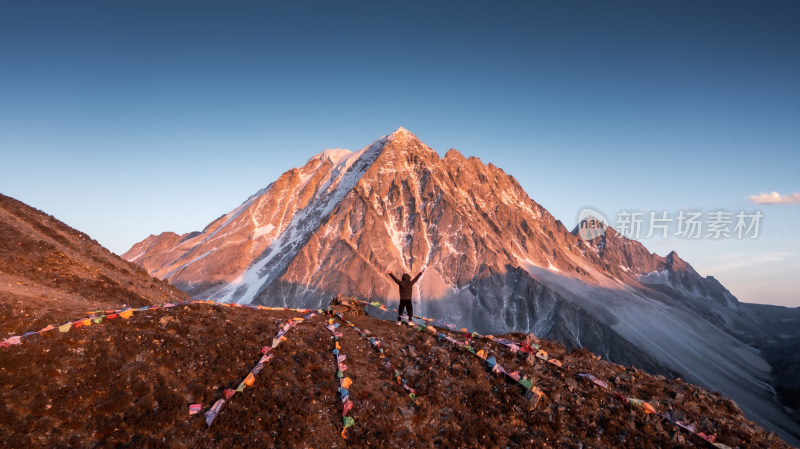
x: 495, y: 261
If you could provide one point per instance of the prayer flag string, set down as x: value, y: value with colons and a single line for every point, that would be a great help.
x: 344, y: 381
x: 98, y: 316
x: 536, y: 351
x: 376, y: 345
x: 249, y: 380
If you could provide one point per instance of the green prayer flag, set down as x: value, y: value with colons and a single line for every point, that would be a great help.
x: 470, y: 349
x: 97, y: 320
x: 527, y: 383
x: 339, y: 374
x: 240, y: 388
x: 348, y: 421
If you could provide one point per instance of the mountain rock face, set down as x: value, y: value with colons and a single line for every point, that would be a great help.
x: 51, y: 272
x: 495, y: 261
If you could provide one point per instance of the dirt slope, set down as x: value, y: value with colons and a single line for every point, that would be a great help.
x: 129, y: 383
x: 50, y: 272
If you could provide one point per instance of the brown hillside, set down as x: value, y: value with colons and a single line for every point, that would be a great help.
x: 50, y: 272
x: 129, y: 383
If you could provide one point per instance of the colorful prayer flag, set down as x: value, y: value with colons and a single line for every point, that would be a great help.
x: 214, y: 411
x: 348, y: 421
x: 15, y: 340
x: 346, y: 382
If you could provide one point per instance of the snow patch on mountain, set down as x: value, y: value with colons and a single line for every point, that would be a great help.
x: 660, y: 277
x: 263, y: 230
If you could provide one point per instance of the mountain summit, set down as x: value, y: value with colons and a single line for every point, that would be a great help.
x: 495, y: 260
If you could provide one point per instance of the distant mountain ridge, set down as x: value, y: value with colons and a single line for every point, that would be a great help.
x: 496, y: 261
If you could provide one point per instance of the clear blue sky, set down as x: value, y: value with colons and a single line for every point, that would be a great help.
x: 126, y: 118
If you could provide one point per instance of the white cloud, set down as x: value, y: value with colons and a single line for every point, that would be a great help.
x: 775, y: 198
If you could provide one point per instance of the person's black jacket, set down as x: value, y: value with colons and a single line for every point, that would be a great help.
x: 405, y: 285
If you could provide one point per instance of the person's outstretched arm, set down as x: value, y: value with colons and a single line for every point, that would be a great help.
x: 416, y: 278
x: 397, y: 281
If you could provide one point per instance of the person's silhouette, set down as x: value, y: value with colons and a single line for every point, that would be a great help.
x: 405, y: 284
